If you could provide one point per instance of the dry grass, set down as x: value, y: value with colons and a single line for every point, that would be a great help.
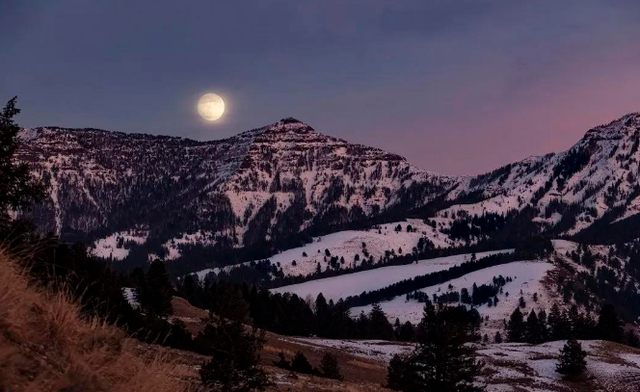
x: 46, y: 346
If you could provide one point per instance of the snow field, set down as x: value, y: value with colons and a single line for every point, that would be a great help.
x: 347, y: 244
x: 108, y: 247
x: 526, y: 275
x: 355, y: 283
x: 519, y: 367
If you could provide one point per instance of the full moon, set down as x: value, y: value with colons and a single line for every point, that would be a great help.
x: 211, y: 107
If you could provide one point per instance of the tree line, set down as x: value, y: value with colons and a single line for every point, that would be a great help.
x: 539, y: 327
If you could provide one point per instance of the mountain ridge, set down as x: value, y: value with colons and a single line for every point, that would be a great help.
x: 257, y: 188
x: 273, y: 187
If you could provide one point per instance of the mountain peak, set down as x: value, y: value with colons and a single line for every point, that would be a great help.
x: 624, y: 126
x: 290, y: 120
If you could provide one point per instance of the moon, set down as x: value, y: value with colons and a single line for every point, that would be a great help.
x: 211, y: 107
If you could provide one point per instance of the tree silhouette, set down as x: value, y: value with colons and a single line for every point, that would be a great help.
x: 572, y: 359
x: 18, y: 189
x: 442, y: 360
x: 329, y: 366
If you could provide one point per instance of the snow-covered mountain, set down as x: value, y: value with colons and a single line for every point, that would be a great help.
x: 262, y: 189
x: 596, y: 180
x: 141, y: 196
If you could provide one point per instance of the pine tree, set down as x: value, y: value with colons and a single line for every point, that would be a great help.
x: 572, y: 359
x: 300, y: 364
x: 329, y: 366
x: 533, y: 332
x: 573, y: 318
x: 442, y: 360
x: 498, y: 338
x: 544, y: 329
x: 559, y: 328
x: 465, y: 298
x: 609, y: 326
x: 396, y: 329
x: 234, y: 357
x: 322, y: 314
x: 397, y: 372
x: 234, y: 364
x: 18, y: 188
x: 379, y: 325
x: 516, y: 328
x: 362, y: 325
x: 475, y: 296
x: 407, y: 332
x: 155, y: 291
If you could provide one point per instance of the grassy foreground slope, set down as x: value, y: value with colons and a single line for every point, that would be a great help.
x: 45, y: 345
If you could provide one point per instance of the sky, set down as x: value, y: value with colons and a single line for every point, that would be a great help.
x: 455, y: 86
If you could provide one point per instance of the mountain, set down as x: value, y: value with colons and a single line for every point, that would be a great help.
x: 137, y: 197
x: 590, y: 188
x: 141, y: 196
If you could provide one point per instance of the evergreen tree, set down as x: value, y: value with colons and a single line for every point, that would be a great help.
x: 442, y: 360
x: 573, y: 318
x: 516, y: 328
x: 322, y: 313
x: 407, y: 332
x: 396, y: 329
x: 379, y: 325
x: 234, y: 364
x: 559, y: 328
x: 498, y: 338
x: 544, y: 329
x: 465, y: 298
x: 397, y: 372
x: 362, y: 324
x: 155, y: 292
x: 475, y: 296
x: 18, y: 188
x: 572, y: 359
x: 609, y: 326
x: 533, y: 332
x: 329, y: 366
x: 300, y: 364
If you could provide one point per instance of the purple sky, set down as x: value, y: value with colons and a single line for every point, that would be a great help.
x: 458, y: 87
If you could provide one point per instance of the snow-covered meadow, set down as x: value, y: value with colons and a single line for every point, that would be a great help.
x: 526, y: 275
x: 343, y: 286
x: 520, y: 367
x: 347, y: 244
x: 115, y: 247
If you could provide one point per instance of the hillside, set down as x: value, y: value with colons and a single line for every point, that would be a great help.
x: 510, y: 367
x: 45, y: 345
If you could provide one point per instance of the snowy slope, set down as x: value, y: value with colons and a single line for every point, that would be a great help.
x: 343, y: 286
x: 517, y: 367
x: 523, y: 367
x: 116, y: 246
x: 381, y: 242
x: 526, y: 275
x: 598, y: 175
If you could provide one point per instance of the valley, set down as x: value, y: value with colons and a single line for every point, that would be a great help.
x: 313, y: 196
x: 322, y: 238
